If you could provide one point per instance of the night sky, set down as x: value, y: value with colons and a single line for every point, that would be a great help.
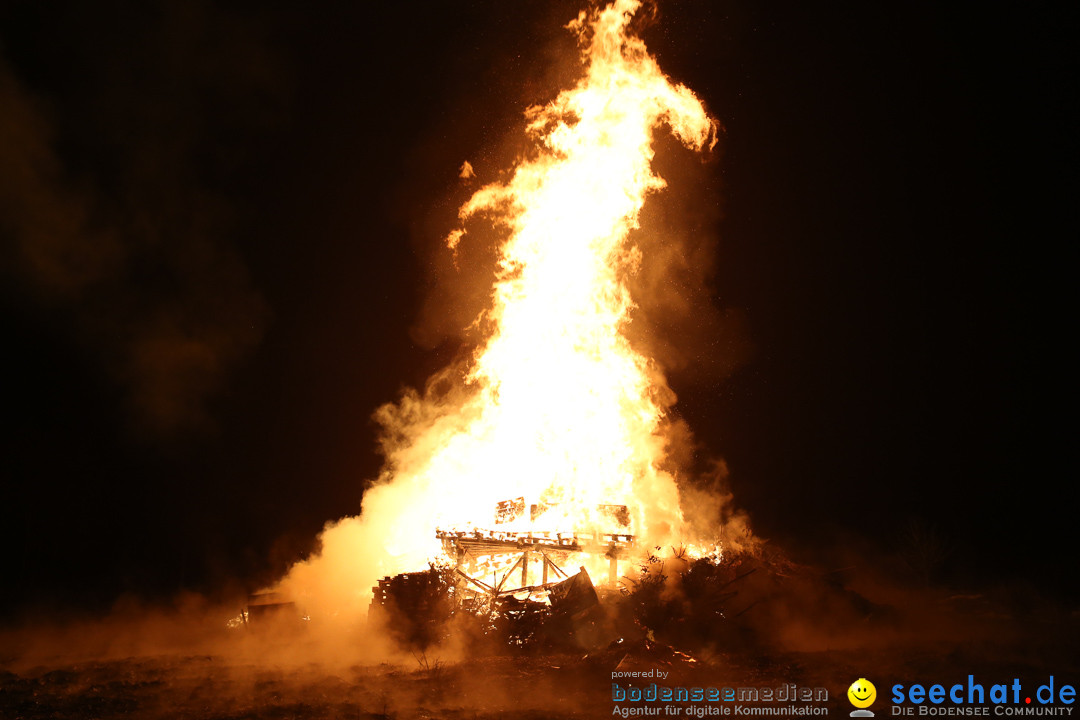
x: 216, y: 232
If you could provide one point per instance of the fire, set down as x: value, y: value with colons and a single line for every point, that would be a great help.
x: 554, y: 406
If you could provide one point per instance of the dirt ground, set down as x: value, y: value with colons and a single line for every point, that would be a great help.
x: 163, y: 669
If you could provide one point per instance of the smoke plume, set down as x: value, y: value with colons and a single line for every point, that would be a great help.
x: 110, y: 224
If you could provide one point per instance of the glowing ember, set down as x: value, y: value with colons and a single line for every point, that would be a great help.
x: 555, y: 406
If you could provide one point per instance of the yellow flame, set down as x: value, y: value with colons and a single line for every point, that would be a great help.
x: 566, y: 410
x: 555, y: 406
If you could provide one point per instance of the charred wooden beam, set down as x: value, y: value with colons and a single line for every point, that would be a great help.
x: 479, y: 583
x: 493, y: 542
x: 508, y: 572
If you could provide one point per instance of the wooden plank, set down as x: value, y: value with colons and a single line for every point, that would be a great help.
x: 482, y: 585
x: 512, y: 568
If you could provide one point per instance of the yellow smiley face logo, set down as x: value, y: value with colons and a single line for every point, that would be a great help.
x: 862, y: 693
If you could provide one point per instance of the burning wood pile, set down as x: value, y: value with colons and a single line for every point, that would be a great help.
x: 514, y: 588
x: 687, y: 602
x: 523, y: 571
x: 485, y: 553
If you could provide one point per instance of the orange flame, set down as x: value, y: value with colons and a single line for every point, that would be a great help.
x: 555, y: 406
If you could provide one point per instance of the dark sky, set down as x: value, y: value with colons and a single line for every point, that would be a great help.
x: 215, y: 226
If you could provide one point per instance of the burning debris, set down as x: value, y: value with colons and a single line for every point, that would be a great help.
x: 695, y: 604
x: 574, y: 595
x: 485, y: 553
x: 530, y: 600
x: 411, y: 600
x: 415, y: 607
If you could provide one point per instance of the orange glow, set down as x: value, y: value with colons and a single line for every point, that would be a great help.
x: 554, y: 406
